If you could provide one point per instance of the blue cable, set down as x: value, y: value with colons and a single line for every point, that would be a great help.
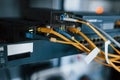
x: 63, y: 33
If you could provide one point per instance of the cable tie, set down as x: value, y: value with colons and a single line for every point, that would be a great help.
x: 92, y: 55
x: 106, y: 51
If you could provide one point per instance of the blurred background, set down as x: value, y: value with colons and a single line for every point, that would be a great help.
x: 65, y: 68
x: 15, y: 8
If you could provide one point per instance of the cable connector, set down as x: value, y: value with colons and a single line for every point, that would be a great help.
x: 44, y: 30
x: 70, y: 19
x: 73, y: 30
x: 53, y: 39
x: 66, y: 18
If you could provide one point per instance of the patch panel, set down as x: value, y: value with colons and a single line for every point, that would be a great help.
x: 107, y: 22
x: 117, y: 38
x: 98, y: 41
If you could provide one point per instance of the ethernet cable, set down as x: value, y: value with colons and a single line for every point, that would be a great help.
x: 89, y: 25
x: 47, y: 30
x: 77, y: 31
x: 108, y: 36
x: 58, y: 41
x: 51, y: 31
x: 98, y: 33
x: 64, y: 33
x: 72, y: 38
x: 65, y: 42
x: 75, y: 44
x: 104, y: 33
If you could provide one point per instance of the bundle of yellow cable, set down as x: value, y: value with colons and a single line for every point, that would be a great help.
x: 92, y: 27
x: 117, y: 58
x: 98, y: 33
x: 75, y: 43
x: 64, y: 39
x: 112, y: 57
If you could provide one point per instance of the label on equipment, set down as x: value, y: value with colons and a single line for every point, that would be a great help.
x: 108, y: 26
x: 92, y: 55
x: 19, y: 48
x: 94, y: 20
